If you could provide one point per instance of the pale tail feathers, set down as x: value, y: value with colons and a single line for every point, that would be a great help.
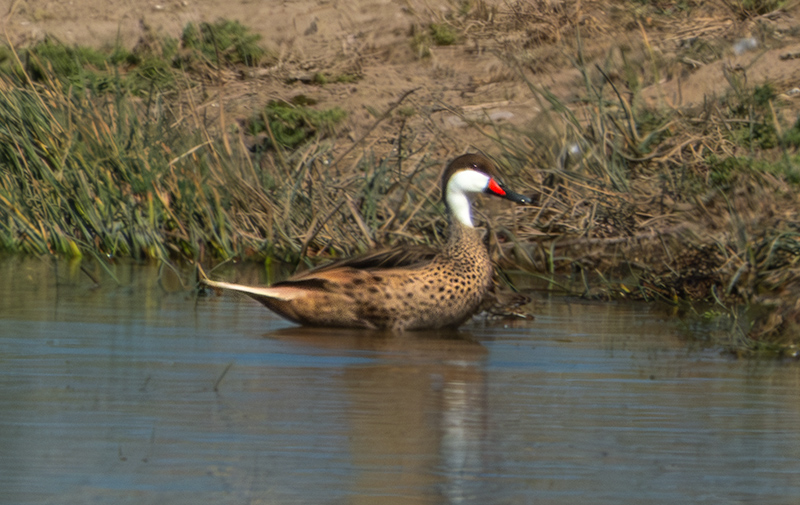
x: 284, y: 293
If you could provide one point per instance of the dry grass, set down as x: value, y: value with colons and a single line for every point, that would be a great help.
x: 677, y: 205
x: 674, y: 205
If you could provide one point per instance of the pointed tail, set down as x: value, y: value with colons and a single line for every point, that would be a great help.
x: 257, y: 292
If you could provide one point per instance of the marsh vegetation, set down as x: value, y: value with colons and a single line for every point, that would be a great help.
x: 148, y: 152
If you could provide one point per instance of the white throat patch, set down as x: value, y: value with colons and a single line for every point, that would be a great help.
x: 462, y: 183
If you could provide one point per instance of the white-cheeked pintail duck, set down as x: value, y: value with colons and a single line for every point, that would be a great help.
x: 400, y: 289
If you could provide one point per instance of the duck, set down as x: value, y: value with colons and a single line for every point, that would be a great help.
x: 401, y: 289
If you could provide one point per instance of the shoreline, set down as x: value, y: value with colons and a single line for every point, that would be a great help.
x: 179, y: 148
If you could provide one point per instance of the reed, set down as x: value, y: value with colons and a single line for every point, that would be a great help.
x: 688, y: 207
x: 114, y: 174
x: 119, y: 178
x: 108, y: 154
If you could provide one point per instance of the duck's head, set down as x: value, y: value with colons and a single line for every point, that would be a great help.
x: 473, y: 173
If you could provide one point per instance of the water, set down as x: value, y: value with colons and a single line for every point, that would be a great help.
x: 144, y: 394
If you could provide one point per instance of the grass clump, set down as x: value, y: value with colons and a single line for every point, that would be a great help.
x: 155, y: 63
x: 443, y: 34
x: 84, y: 70
x: 322, y: 78
x: 73, y: 182
x: 753, y: 106
x: 748, y: 9
x: 289, y: 125
x: 791, y: 137
x: 76, y: 65
x: 225, y: 42
x: 114, y: 178
x: 87, y: 168
x: 726, y: 172
x: 436, y: 34
x: 420, y: 43
x: 688, y: 207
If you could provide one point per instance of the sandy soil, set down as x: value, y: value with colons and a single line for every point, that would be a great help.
x: 468, y: 80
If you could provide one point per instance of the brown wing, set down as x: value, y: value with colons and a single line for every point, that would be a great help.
x: 398, y: 257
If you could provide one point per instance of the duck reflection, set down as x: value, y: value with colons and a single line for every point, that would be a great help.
x: 417, y: 418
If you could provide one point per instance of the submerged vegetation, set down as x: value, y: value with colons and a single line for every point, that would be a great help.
x: 112, y: 153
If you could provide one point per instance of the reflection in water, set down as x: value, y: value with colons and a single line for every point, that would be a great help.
x: 416, y: 431
x: 142, y: 393
x: 463, y: 432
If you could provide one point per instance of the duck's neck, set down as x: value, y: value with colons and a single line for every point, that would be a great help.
x: 459, y: 208
x: 463, y: 240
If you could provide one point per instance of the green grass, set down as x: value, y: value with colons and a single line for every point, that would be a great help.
x: 85, y: 70
x: 156, y: 64
x: 322, y: 78
x: 436, y: 34
x: 225, y: 42
x: 112, y: 178
x: 105, y: 153
x: 443, y: 34
x: 727, y: 172
x: 79, y: 175
x: 687, y: 206
x: 748, y: 9
x: 289, y: 125
x: 791, y: 137
x: 86, y: 167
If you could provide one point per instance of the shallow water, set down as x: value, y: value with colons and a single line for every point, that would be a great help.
x: 145, y: 394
